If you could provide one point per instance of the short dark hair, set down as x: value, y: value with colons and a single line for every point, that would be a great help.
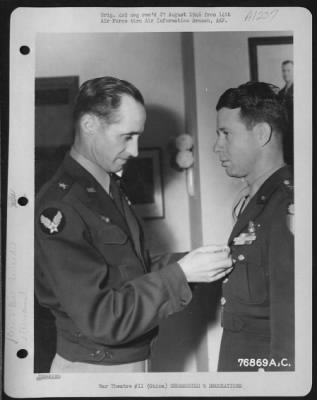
x: 102, y: 97
x: 287, y: 62
x: 258, y: 102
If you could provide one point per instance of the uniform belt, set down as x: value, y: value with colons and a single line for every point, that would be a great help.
x: 238, y: 323
x: 98, y: 354
x: 60, y: 365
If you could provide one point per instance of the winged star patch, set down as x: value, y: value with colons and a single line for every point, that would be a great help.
x: 52, y: 221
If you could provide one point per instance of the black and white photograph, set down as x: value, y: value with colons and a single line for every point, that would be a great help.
x: 157, y: 253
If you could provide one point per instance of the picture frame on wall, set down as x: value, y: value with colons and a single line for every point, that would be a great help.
x: 266, y: 55
x: 54, y: 102
x: 143, y: 183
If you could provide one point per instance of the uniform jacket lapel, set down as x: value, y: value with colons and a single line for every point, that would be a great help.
x: 259, y: 200
x: 99, y: 202
x: 251, y: 211
x: 93, y: 195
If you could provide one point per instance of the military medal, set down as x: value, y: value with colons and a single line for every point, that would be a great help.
x: 246, y: 238
x: 251, y: 227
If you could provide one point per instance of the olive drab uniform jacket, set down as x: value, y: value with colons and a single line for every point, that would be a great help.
x: 258, y: 296
x: 92, y: 270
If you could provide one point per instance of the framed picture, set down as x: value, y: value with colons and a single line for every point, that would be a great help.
x: 144, y: 183
x: 266, y: 57
x: 54, y: 103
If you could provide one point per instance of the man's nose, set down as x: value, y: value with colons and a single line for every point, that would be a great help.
x: 217, y: 146
x: 133, y: 148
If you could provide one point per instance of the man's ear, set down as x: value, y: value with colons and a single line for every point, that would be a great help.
x: 263, y: 131
x: 88, y: 123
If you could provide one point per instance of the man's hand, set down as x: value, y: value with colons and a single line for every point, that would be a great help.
x: 206, y: 264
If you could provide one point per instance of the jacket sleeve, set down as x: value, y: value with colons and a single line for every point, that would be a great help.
x: 281, y: 270
x: 158, y: 262
x: 77, y: 275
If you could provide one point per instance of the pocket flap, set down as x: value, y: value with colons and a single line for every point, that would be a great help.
x: 112, y: 234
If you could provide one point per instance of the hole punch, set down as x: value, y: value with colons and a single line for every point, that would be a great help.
x: 22, y: 353
x: 23, y: 201
x: 25, y: 50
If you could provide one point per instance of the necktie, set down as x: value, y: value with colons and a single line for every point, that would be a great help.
x: 131, y: 221
x: 114, y: 192
x: 240, y: 206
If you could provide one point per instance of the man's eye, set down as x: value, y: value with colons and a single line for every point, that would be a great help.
x: 127, y: 138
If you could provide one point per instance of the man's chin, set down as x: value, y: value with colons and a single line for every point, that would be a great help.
x: 230, y: 172
x: 118, y: 170
x: 119, y: 165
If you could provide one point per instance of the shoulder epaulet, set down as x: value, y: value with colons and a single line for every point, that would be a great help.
x: 51, y: 218
x: 63, y: 184
x: 55, y: 189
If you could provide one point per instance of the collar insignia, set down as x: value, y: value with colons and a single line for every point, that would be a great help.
x: 62, y: 185
x: 105, y: 219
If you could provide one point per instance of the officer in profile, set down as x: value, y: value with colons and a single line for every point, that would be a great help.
x: 287, y: 92
x: 93, y: 269
x: 258, y: 295
x: 286, y: 97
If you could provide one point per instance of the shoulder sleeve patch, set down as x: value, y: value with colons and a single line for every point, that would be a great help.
x: 290, y: 217
x: 52, y: 221
x: 290, y: 209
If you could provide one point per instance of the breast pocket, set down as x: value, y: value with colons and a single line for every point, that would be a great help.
x: 112, y: 235
x: 118, y: 252
x: 111, y: 241
x: 248, y: 282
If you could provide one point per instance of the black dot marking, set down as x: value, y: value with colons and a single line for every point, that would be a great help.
x: 22, y: 353
x: 24, y: 50
x: 23, y: 201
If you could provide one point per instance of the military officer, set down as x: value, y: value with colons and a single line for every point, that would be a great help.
x: 258, y: 296
x: 93, y: 269
x: 286, y: 96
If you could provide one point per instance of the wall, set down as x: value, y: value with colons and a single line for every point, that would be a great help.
x: 221, y: 62
x: 153, y: 63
